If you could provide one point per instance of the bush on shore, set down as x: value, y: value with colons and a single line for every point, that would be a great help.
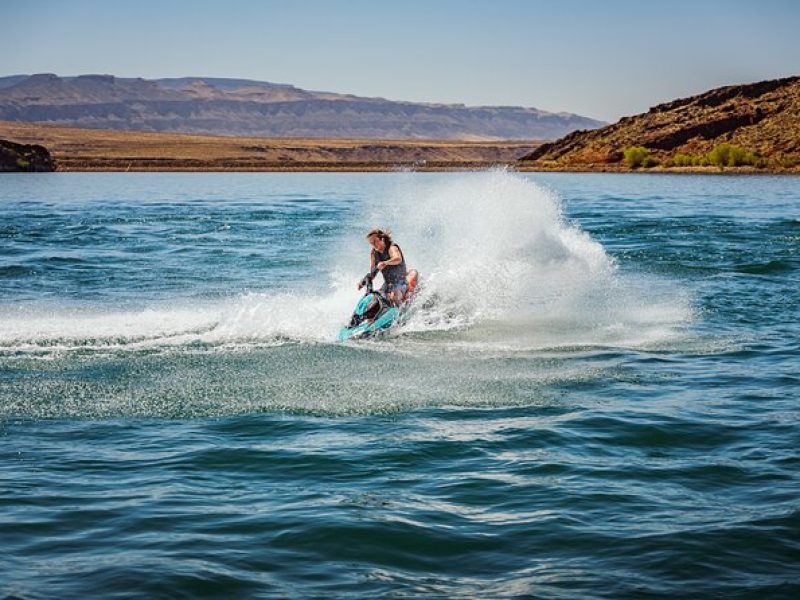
x: 650, y: 161
x: 722, y: 155
x: 728, y: 155
x: 687, y: 160
x: 637, y: 156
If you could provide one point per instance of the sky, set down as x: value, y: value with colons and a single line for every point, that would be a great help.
x: 602, y: 59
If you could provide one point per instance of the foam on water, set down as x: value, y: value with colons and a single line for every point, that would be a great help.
x: 501, y: 268
x: 250, y: 319
x: 502, y: 264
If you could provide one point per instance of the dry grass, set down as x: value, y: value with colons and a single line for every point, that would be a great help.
x: 108, y: 150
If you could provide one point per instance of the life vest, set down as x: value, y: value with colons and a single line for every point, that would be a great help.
x: 392, y: 274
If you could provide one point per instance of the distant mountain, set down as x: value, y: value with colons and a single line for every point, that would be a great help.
x: 12, y: 80
x: 255, y: 108
x: 761, y: 118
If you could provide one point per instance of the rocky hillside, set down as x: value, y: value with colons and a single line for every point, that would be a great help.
x: 253, y: 108
x: 761, y: 118
x: 24, y: 157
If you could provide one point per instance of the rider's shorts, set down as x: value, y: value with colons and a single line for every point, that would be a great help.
x: 389, y: 287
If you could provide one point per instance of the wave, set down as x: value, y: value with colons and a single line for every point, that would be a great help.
x: 764, y: 268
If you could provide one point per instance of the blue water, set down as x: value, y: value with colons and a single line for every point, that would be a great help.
x: 596, y: 394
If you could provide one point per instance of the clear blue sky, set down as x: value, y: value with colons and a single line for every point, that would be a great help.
x: 603, y: 59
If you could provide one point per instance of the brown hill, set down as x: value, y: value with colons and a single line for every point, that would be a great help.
x: 77, y: 149
x: 761, y: 118
x: 214, y: 106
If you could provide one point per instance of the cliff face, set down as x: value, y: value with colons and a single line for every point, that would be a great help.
x: 24, y: 157
x: 252, y: 108
x: 761, y: 117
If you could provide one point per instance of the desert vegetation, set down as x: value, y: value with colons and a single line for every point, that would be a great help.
x: 722, y: 155
x: 639, y: 156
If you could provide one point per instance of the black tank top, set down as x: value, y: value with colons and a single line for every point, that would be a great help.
x: 392, y: 273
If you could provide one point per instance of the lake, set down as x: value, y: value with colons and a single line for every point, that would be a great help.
x: 595, y: 393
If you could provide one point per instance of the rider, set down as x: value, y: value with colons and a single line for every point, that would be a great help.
x: 387, y: 257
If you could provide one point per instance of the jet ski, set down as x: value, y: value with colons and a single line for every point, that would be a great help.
x: 375, y: 314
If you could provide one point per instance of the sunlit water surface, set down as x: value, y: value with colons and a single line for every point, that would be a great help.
x: 596, y: 393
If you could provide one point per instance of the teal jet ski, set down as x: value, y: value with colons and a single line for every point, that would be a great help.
x: 374, y: 313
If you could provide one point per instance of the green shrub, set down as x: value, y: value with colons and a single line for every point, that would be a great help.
x: 683, y: 160
x: 649, y: 161
x: 738, y: 156
x: 635, y: 156
x: 719, y: 155
x: 728, y: 155
x: 22, y: 163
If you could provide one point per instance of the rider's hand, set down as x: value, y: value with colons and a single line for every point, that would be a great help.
x: 380, y: 266
x: 360, y: 284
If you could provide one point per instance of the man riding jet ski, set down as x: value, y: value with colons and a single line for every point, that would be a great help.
x: 377, y: 311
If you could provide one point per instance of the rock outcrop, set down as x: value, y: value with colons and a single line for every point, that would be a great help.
x: 763, y: 118
x: 24, y: 157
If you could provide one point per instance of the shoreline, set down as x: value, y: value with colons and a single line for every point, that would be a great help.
x: 104, y: 150
x: 155, y: 166
x: 663, y: 170
x: 401, y: 168
x: 299, y: 167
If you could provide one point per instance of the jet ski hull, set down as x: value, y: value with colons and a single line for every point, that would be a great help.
x: 374, y: 314
x: 369, y: 328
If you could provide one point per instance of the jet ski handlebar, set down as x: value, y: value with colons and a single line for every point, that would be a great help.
x: 367, y: 281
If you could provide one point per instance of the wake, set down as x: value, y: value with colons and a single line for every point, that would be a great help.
x: 501, y: 267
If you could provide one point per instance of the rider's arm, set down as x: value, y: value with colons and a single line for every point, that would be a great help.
x: 395, y: 258
x: 363, y: 282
